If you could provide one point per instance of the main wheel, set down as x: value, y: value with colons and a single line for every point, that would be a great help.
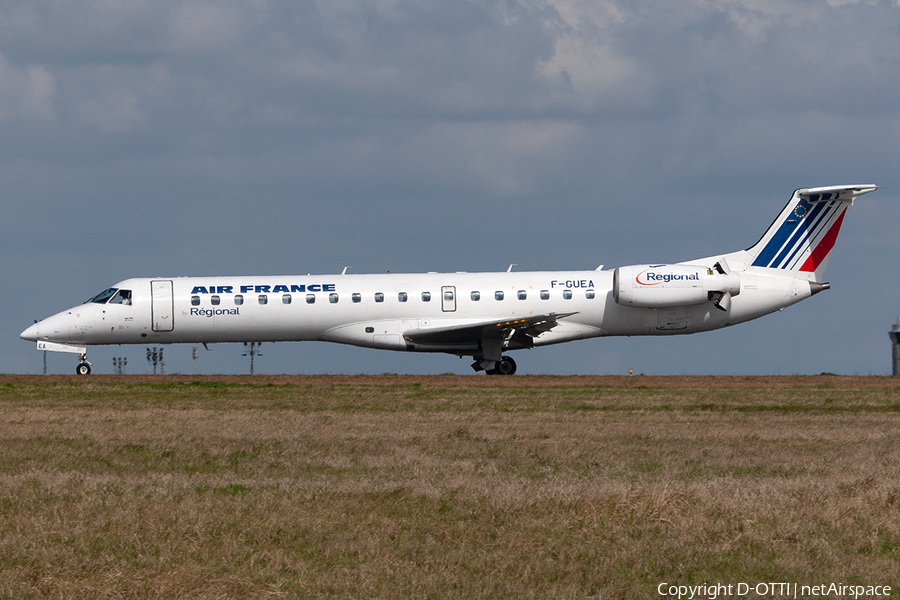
x: 506, y: 366
x: 83, y: 369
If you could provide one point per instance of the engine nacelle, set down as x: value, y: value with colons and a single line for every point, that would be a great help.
x: 663, y: 286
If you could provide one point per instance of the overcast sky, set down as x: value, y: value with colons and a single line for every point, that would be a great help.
x: 157, y: 138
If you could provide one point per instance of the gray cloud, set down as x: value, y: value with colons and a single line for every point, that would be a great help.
x: 149, y: 138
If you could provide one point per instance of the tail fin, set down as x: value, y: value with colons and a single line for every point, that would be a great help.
x: 801, y: 238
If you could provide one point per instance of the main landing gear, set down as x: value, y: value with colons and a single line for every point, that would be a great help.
x: 84, y: 367
x: 505, y: 366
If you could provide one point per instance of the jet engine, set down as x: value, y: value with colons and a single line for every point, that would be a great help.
x: 663, y: 286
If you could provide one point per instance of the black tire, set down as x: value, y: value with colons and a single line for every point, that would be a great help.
x: 506, y: 366
x: 83, y: 369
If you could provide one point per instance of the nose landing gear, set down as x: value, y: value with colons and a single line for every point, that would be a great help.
x: 84, y: 367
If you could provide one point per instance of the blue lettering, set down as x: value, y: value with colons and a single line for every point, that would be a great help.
x: 669, y: 277
x: 267, y: 289
x: 214, y: 312
x: 199, y: 289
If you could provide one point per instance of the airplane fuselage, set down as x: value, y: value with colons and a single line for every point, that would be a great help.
x: 376, y: 310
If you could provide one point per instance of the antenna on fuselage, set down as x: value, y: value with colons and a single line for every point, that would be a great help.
x: 509, y: 270
x: 344, y: 272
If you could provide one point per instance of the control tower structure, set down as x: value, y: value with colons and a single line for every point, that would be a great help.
x: 895, y: 342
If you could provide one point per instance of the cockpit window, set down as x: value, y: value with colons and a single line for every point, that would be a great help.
x: 103, y: 296
x: 121, y: 297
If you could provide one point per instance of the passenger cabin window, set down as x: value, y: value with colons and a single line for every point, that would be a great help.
x: 121, y: 297
x: 475, y: 296
x: 522, y: 294
x: 103, y: 296
x: 402, y: 296
x: 426, y: 296
x: 567, y: 294
x: 238, y: 300
x: 379, y: 297
x: 215, y: 300
x: 195, y: 300
x: 498, y: 295
x: 263, y: 299
x: 333, y: 298
x: 356, y: 297
x: 286, y: 299
x: 448, y: 295
x: 589, y: 294
x: 545, y: 294
x: 310, y: 298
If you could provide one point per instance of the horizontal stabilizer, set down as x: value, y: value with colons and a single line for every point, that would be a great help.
x: 835, y: 193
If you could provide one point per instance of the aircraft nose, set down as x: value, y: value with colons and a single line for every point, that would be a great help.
x: 31, y: 334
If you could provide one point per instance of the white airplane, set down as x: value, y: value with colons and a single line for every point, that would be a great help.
x: 481, y: 315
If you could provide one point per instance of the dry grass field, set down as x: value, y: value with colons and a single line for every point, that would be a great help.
x: 444, y: 487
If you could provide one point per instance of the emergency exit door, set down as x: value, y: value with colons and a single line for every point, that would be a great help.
x: 448, y: 298
x: 162, y: 306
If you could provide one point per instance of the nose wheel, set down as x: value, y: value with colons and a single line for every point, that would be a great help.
x: 84, y: 367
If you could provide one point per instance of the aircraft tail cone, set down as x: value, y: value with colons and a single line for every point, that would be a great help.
x: 815, y: 287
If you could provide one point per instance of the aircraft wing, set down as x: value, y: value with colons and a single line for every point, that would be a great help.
x: 531, y: 326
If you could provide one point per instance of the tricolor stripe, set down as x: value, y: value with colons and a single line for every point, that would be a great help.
x: 821, y: 251
x: 793, y: 241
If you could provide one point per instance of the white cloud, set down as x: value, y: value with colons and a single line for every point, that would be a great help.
x: 26, y: 93
x: 116, y: 112
x: 586, y: 70
x: 205, y: 26
x: 595, y: 74
x: 40, y: 91
x: 843, y: 2
x: 506, y: 159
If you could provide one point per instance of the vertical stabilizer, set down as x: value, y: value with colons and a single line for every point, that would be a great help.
x: 801, y: 238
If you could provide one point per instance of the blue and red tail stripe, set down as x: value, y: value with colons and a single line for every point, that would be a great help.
x: 807, y: 224
x: 821, y: 251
